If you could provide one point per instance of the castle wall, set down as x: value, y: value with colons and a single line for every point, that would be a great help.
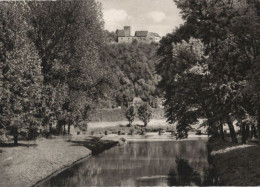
x: 125, y: 39
x: 147, y: 40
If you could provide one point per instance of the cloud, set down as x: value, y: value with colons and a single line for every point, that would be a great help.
x: 156, y: 16
x: 114, y: 16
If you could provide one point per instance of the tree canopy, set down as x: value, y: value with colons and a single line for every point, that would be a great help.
x: 133, y: 67
x: 51, y: 68
x: 205, y: 73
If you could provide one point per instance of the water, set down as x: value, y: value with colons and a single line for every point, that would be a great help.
x: 140, y: 163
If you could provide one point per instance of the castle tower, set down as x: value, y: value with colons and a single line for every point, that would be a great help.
x: 127, y: 30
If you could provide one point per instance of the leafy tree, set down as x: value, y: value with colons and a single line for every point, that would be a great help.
x: 130, y: 115
x: 186, y: 87
x: 68, y: 36
x: 21, y: 72
x: 218, y: 96
x: 145, y: 113
x: 110, y: 37
x: 253, y: 88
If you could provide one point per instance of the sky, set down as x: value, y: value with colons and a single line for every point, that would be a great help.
x: 160, y: 16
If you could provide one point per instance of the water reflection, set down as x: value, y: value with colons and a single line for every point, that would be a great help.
x: 185, y: 174
x: 166, y: 163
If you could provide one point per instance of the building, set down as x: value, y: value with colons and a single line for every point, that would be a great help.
x: 124, y: 36
x: 127, y: 31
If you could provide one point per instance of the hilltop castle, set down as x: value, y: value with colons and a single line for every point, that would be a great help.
x: 124, y: 36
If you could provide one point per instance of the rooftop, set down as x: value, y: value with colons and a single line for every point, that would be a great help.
x: 120, y: 33
x: 154, y: 34
x: 141, y: 33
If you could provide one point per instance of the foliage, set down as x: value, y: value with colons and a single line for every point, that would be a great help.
x: 134, y: 70
x: 145, y: 113
x: 224, y: 59
x: 69, y: 37
x: 51, y: 72
x: 21, y: 72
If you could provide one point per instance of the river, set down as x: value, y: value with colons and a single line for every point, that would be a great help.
x: 140, y: 163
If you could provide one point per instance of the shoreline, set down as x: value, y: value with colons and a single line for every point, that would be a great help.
x: 33, y: 163
x: 61, y: 170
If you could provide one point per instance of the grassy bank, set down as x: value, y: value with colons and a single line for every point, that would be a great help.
x: 112, y: 115
x: 99, y: 128
x: 31, y: 162
x: 137, y: 127
x: 235, y: 164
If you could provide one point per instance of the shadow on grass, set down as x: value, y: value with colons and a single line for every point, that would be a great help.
x: 18, y: 145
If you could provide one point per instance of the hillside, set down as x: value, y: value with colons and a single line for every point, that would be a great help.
x: 134, y: 72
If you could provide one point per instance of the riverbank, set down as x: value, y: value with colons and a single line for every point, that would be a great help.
x: 234, y: 164
x: 31, y: 162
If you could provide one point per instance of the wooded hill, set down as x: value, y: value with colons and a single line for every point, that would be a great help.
x: 134, y: 73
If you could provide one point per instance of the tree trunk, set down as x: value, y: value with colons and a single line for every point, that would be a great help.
x: 15, y: 134
x: 243, y: 132
x: 69, y: 128
x: 247, y: 131
x: 64, y: 128
x: 59, y: 125
x: 15, y: 139
x: 232, y: 130
x: 222, y: 136
x: 258, y: 122
x: 253, y: 131
x: 50, y: 127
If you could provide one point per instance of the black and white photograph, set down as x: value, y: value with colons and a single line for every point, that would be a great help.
x: 129, y: 93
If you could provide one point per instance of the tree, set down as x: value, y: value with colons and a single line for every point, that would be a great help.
x: 130, y: 115
x: 222, y: 26
x: 145, y: 113
x: 253, y: 88
x: 68, y: 36
x: 21, y: 72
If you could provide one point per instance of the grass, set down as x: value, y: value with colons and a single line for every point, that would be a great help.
x: 25, y: 165
x: 124, y: 129
x: 238, y: 167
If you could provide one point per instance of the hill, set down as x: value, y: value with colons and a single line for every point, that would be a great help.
x: 133, y: 67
